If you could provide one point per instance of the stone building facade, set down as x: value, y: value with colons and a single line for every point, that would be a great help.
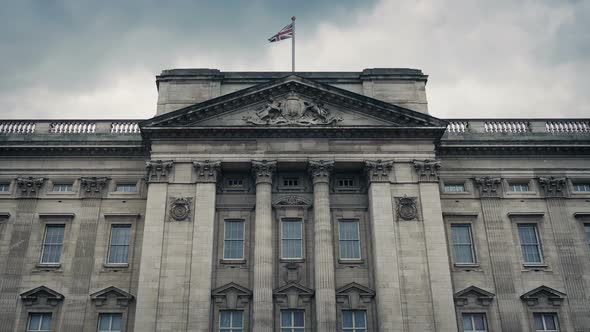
x: 268, y: 201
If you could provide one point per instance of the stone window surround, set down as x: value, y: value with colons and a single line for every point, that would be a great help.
x: 235, y: 213
x: 283, y: 219
x: 243, y: 221
x: 112, y: 187
x: 101, y: 305
x: 509, y: 181
x: 237, y: 298
x: 578, y: 180
x: 360, y: 215
x: 354, y: 296
x: 360, y: 241
x: 54, y: 308
x: 75, y: 182
x: 39, y: 230
x: 10, y: 183
x: 111, y: 219
x: 482, y: 303
x: 463, y: 218
x: 474, y: 250
x: 302, y: 186
x: 533, y: 218
x: 357, y: 186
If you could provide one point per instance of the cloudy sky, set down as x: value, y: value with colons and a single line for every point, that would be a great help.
x: 98, y: 59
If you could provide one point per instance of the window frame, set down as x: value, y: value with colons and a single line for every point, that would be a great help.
x: 302, y: 239
x: 485, y: 321
x: 539, y: 244
x: 469, y: 226
x: 543, y: 314
x: 354, y: 327
x: 42, y: 313
x: 110, y: 243
x: 519, y: 186
x: 452, y: 185
x: 358, y: 240
x: 69, y: 187
x: 7, y: 185
x: 292, y: 327
x: 123, y: 184
x: 231, y: 328
x: 111, y: 321
x: 46, y: 226
x: 243, y: 240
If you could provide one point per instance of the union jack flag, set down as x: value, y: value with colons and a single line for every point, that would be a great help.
x: 285, y: 33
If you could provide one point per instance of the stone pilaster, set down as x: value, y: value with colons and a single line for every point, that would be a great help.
x: 509, y: 305
x: 325, y: 288
x: 441, y: 286
x: 385, y: 256
x: 207, y: 173
x: 571, y: 260
x: 263, y: 253
x: 151, y: 257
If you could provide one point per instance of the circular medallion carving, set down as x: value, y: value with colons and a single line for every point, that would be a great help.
x: 406, y: 208
x: 180, y: 208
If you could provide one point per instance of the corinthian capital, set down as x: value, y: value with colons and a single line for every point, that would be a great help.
x: 378, y: 170
x: 93, y: 185
x: 488, y: 186
x: 207, y: 170
x: 427, y: 170
x: 553, y: 187
x: 158, y: 170
x: 29, y: 186
x: 263, y: 170
x: 320, y: 170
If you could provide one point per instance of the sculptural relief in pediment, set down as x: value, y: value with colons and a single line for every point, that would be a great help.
x: 291, y: 110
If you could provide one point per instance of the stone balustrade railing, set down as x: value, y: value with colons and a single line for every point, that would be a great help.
x: 455, y: 126
x: 69, y: 127
x: 518, y: 126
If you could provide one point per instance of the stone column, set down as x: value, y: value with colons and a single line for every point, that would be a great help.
x: 441, y: 286
x: 571, y: 260
x: 146, y: 311
x: 263, y: 256
x: 502, y: 260
x: 385, y: 260
x: 199, y: 316
x: 325, y: 288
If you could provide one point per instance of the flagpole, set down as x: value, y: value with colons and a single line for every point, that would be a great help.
x: 293, y: 46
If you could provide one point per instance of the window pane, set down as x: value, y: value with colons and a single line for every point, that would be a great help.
x: 298, y: 319
x: 550, y: 322
x: 479, y: 322
x: 291, y: 229
x: 292, y: 244
x: 538, y: 322
x: 34, y: 322
x: 52, y: 244
x: 104, y: 322
x: 587, y: 229
x: 285, y: 318
x: 461, y: 234
x: 467, y: 325
x: 224, y: 318
x: 359, y: 319
x: 116, y: 322
x: 237, y: 319
x: 347, y: 318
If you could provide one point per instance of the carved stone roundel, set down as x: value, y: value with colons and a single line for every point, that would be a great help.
x: 180, y: 209
x: 406, y: 208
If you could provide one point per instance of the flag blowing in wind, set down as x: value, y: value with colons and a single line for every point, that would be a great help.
x: 285, y: 33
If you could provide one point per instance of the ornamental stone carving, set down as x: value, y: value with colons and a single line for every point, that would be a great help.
x: 378, y: 171
x: 263, y: 170
x: 553, y: 187
x: 292, y: 110
x: 30, y: 185
x: 180, y: 208
x: 291, y: 200
x: 488, y: 186
x: 320, y: 170
x: 207, y: 171
x: 158, y: 170
x: 406, y: 208
x: 427, y: 170
x: 93, y: 185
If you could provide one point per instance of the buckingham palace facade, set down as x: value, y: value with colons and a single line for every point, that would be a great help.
x: 291, y: 202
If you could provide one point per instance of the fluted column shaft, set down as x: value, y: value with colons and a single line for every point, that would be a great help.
x: 263, y: 257
x: 325, y: 293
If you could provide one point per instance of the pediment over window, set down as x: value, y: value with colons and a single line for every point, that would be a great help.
x: 43, y: 296
x: 231, y: 296
x: 473, y: 295
x: 543, y: 296
x: 293, y: 106
x: 293, y: 295
x: 354, y: 296
x: 111, y: 296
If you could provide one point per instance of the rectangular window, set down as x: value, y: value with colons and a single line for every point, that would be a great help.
x: 52, y: 243
x: 474, y: 323
x: 290, y: 182
x: 462, y: 244
x: 584, y: 187
x: 126, y: 188
x: 233, y: 240
x: 62, y: 187
x: 231, y: 321
x: 39, y: 322
x: 109, y: 322
x: 354, y: 321
x: 454, y: 188
x: 292, y: 238
x: 587, y: 229
x: 519, y: 187
x: 345, y: 182
x: 529, y: 242
x: 4, y: 187
x: 546, y: 322
x: 350, y: 244
x: 292, y: 321
x: 235, y: 183
x: 119, y: 245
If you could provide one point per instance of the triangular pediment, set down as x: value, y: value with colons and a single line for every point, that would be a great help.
x: 293, y: 288
x: 473, y: 295
x: 543, y: 291
x: 354, y: 287
x: 43, y: 295
x: 292, y: 103
x: 111, y: 295
x: 231, y: 288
